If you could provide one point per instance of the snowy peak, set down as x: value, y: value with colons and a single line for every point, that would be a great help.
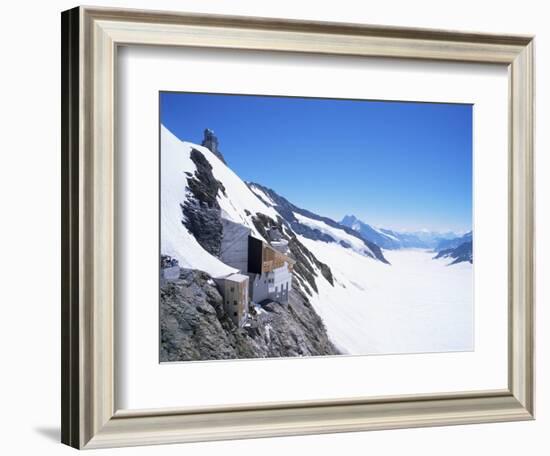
x: 385, y: 239
x: 351, y: 221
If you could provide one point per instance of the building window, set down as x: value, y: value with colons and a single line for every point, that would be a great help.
x: 232, y: 289
x: 234, y: 314
x: 234, y: 303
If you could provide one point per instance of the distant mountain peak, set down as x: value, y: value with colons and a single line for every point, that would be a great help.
x: 349, y: 220
x: 391, y: 239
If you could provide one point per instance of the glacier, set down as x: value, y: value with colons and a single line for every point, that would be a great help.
x: 416, y: 305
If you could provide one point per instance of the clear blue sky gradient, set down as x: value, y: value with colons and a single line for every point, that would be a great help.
x: 398, y: 165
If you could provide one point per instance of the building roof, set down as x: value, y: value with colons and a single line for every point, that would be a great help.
x: 237, y: 277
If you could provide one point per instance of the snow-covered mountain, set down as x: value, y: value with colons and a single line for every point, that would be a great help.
x: 458, y: 249
x: 459, y: 254
x: 392, y: 239
x: 454, y: 242
x: 346, y: 292
x: 385, y: 239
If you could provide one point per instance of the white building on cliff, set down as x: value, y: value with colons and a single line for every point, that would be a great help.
x: 269, y: 269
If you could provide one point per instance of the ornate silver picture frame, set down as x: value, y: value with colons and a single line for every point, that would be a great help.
x: 90, y: 39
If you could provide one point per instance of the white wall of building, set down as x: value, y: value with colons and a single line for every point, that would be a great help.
x: 273, y: 285
x: 234, y: 248
x: 259, y: 288
x: 282, y: 281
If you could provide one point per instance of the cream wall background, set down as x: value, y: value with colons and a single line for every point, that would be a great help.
x: 30, y: 210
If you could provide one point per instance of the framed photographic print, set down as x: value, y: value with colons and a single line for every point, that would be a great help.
x: 277, y: 227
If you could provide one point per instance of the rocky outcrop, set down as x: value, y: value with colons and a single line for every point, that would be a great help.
x: 193, y: 325
x: 202, y: 214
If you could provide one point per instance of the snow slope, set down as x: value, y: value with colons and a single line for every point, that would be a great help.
x: 337, y: 234
x: 176, y: 240
x: 263, y: 196
x: 415, y: 305
x: 381, y: 233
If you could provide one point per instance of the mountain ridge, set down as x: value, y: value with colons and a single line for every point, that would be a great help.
x: 459, y: 254
x: 393, y: 239
x: 288, y: 211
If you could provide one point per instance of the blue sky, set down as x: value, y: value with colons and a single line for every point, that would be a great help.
x: 398, y: 165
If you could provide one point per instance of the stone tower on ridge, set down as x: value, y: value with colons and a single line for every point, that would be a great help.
x: 210, y: 141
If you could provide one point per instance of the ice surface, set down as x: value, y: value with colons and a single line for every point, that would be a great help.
x: 414, y: 305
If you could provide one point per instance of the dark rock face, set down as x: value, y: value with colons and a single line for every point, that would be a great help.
x: 202, y: 215
x: 204, y: 186
x: 193, y: 325
x: 287, y: 210
x: 461, y: 253
x: 205, y: 224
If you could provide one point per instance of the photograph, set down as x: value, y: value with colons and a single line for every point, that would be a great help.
x: 299, y: 227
